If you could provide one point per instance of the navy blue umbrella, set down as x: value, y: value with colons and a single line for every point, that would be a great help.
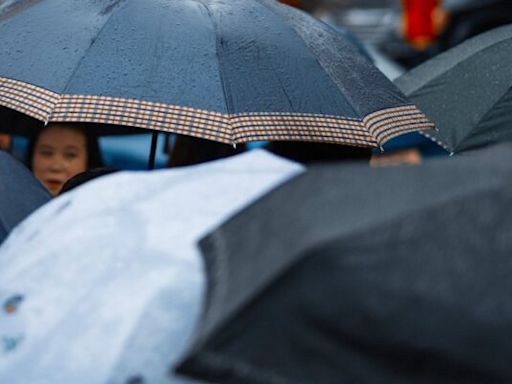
x: 20, y: 193
x: 230, y: 71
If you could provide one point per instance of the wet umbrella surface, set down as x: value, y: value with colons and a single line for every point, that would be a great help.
x: 104, y: 283
x: 467, y: 91
x: 21, y: 193
x: 348, y: 274
x: 230, y: 71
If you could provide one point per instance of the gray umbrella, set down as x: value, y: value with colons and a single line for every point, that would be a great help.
x: 229, y: 71
x: 349, y: 274
x: 466, y: 91
x: 20, y: 193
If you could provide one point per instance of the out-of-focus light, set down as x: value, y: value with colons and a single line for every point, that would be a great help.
x: 293, y: 3
x: 423, y: 21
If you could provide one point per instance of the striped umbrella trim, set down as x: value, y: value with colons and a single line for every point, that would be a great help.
x: 70, y: 103
x: 397, y: 124
x: 385, y: 113
x: 372, y: 131
x: 308, y: 134
x: 303, y: 131
x: 22, y: 107
x: 304, y: 117
x: 386, y: 124
x: 319, y: 138
x: 264, y: 119
x: 45, y: 96
x: 406, y: 129
x: 26, y: 98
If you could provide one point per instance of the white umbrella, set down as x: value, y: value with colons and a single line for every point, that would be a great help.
x: 107, y: 281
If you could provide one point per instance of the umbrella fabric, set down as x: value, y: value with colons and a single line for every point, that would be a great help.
x: 360, y: 275
x: 20, y: 193
x: 466, y: 91
x: 104, y: 284
x: 230, y: 71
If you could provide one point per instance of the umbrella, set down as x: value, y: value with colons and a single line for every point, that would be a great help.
x: 20, y: 191
x: 229, y: 71
x: 349, y: 274
x: 466, y: 91
x: 104, y: 283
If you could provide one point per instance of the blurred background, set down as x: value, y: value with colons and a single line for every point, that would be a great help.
x: 410, y: 31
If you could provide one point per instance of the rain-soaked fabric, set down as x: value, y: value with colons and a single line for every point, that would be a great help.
x: 348, y: 274
x: 221, y: 56
x: 116, y: 48
x: 20, y: 193
x: 466, y: 91
x: 104, y: 284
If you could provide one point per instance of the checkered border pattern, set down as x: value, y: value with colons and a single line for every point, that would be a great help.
x: 374, y: 130
x: 385, y: 124
x: 29, y: 99
x: 143, y: 114
x: 300, y: 127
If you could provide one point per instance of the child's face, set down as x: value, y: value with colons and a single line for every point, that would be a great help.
x: 59, y: 154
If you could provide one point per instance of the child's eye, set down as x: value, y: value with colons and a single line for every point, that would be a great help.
x: 70, y: 155
x: 45, y: 153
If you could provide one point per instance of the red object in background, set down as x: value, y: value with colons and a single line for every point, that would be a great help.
x: 293, y: 3
x: 423, y: 21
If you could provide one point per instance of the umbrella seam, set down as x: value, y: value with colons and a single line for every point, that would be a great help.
x: 221, y: 72
x: 79, y: 63
x: 487, y: 113
x: 343, y: 95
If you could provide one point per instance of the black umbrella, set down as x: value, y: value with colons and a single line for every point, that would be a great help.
x: 349, y: 274
x: 20, y: 193
x: 466, y: 91
x: 229, y: 71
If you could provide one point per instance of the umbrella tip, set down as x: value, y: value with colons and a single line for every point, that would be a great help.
x: 45, y: 123
x: 234, y: 145
x: 381, y: 148
x: 451, y: 154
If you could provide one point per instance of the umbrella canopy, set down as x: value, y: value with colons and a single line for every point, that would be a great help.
x: 230, y: 71
x: 466, y: 91
x: 20, y: 192
x: 104, y: 284
x: 360, y: 275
